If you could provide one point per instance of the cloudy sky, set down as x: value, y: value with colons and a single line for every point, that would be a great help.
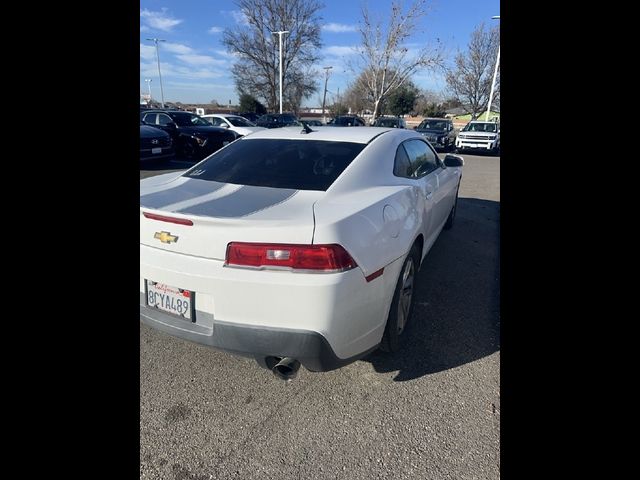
x: 195, y: 66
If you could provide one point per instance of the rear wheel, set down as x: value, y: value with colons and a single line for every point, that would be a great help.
x: 452, y: 213
x: 401, y: 304
x: 188, y: 149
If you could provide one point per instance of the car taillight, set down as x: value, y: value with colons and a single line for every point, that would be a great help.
x: 326, y: 258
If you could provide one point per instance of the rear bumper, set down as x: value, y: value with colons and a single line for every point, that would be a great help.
x: 311, y: 349
x: 323, y: 320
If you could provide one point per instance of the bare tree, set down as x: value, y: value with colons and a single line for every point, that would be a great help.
x: 257, y: 69
x: 384, y: 58
x: 426, y: 100
x: 470, y: 80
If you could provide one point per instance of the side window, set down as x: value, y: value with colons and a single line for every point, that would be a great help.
x: 215, y: 121
x: 402, y: 166
x: 150, y: 118
x: 164, y: 119
x: 422, y: 158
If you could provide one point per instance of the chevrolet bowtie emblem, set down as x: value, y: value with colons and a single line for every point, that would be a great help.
x: 165, y: 237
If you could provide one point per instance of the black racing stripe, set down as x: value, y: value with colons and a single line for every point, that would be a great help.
x: 242, y: 202
x: 192, y: 188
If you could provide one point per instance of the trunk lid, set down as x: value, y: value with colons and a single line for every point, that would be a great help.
x: 223, y: 213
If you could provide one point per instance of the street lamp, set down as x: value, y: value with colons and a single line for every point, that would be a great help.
x: 495, y: 73
x: 324, y: 97
x: 148, y: 80
x: 156, y: 40
x: 280, y: 33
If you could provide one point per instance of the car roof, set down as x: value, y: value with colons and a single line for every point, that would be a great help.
x: 329, y: 134
x: 224, y: 115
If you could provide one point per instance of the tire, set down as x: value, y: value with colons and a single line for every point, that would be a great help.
x: 452, y: 214
x: 401, y: 304
x: 188, y: 150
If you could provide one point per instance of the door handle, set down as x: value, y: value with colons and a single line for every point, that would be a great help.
x: 429, y: 195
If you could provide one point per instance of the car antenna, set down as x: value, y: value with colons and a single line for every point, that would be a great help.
x: 306, y: 128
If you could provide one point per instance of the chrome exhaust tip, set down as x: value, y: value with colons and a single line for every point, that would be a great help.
x: 286, y: 369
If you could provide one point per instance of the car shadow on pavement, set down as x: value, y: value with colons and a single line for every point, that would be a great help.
x: 456, y: 317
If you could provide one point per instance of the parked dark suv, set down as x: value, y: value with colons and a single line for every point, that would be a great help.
x: 155, y: 144
x: 439, y: 132
x: 193, y: 137
x: 277, y: 120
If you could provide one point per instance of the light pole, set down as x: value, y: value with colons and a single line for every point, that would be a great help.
x: 156, y: 40
x: 148, y: 80
x: 495, y: 73
x: 280, y: 33
x: 324, y: 97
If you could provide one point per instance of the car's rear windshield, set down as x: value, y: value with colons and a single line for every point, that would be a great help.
x: 386, y: 122
x: 188, y: 120
x: 433, y: 125
x: 240, y: 122
x: 279, y: 163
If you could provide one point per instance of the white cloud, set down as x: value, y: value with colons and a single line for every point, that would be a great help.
x: 198, y: 60
x: 340, y: 50
x: 225, y: 54
x: 197, y: 86
x: 159, y: 20
x: 339, y: 28
x: 177, y: 48
x: 213, y: 30
x: 150, y: 69
x: 238, y: 16
x: 147, y: 52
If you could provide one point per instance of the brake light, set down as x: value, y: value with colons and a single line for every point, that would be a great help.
x: 163, y: 218
x: 326, y: 258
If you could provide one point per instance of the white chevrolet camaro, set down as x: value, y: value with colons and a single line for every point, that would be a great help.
x: 295, y: 246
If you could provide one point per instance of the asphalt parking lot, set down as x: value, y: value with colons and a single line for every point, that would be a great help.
x: 431, y: 411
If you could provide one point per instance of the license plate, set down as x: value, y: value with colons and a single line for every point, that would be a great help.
x: 170, y: 299
x: 156, y: 150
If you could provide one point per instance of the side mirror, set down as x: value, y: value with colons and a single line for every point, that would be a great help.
x: 453, y: 161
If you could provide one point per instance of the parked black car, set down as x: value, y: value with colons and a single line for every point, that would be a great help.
x: 277, y: 120
x: 439, y: 132
x: 347, y: 121
x: 155, y: 144
x: 193, y: 137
